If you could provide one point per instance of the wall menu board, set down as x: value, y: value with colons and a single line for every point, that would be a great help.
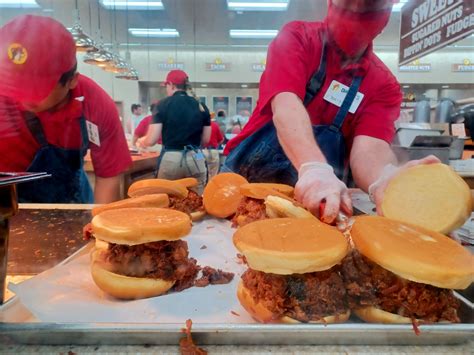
x: 427, y: 25
x: 243, y: 105
x: 220, y: 103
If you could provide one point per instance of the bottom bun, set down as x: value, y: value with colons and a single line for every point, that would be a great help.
x: 262, y: 314
x: 376, y: 315
x: 198, y: 215
x: 125, y: 287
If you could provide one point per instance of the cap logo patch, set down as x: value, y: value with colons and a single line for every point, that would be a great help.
x: 17, y: 53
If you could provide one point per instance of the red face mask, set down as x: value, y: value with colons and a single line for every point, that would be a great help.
x: 354, y: 31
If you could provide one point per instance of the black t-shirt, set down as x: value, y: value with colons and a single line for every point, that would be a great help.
x: 182, y: 120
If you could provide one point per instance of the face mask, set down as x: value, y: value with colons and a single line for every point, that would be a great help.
x: 353, y: 31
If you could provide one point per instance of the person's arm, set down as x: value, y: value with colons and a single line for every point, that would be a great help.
x: 153, y: 134
x: 317, y: 181
x: 134, y: 139
x: 206, y: 135
x: 107, y: 190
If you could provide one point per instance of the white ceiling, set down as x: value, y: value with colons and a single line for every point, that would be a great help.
x: 201, y: 23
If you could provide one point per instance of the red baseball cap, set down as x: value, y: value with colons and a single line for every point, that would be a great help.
x: 35, y: 52
x: 177, y: 77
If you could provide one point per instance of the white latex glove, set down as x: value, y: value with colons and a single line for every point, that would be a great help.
x: 317, y: 184
x: 377, y: 189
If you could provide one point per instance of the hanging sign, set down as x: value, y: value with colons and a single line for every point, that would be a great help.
x: 465, y: 66
x: 170, y: 64
x: 259, y: 67
x: 415, y: 66
x: 218, y: 65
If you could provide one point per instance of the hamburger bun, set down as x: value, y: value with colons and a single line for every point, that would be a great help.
x: 413, y: 253
x: 157, y: 186
x: 277, y: 207
x: 222, y: 195
x: 154, y: 200
x: 262, y: 314
x: 188, y: 182
x: 376, y: 315
x: 432, y: 196
x: 132, y: 226
x: 287, y: 246
x: 260, y: 191
x: 125, y: 287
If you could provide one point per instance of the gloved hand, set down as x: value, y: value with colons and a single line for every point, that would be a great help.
x: 317, y: 183
x: 377, y: 189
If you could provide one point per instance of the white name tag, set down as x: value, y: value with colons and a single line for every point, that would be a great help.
x: 93, y: 133
x: 337, y: 93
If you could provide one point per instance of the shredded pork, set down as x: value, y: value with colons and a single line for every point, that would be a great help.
x: 249, y: 210
x: 189, y: 204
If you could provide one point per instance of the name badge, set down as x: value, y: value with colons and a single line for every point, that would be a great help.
x: 337, y: 93
x: 93, y: 133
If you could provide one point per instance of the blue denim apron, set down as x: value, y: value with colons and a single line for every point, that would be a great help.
x: 260, y: 157
x: 68, y: 182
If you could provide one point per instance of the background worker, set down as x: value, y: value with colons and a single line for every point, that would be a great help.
x: 326, y: 103
x: 50, y: 115
x: 184, y: 125
x: 211, y: 151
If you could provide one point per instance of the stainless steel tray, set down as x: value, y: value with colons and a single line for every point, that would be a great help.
x: 17, y: 325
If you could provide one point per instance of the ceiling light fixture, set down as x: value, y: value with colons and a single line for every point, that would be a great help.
x: 84, y: 43
x: 132, y: 5
x: 253, y: 33
x: 445, y: 87
x: 406, y: 86
x: 15, y: 4
x: 261, y: 5
x: 132, y: 74
x: 154, y: 32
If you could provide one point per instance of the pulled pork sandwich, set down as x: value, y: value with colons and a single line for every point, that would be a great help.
x: 293, y: 273
x: 139, y: 252
x: 401, y: 273
x: 222, y: 196
x: 262, y: 201
x: 181, y: 195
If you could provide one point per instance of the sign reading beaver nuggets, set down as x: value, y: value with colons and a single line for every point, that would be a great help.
x: 428, y: 25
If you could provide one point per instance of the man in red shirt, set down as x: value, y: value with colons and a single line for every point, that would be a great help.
x: 326, y: 103
x: 211, y: 151
x: 50, y: 115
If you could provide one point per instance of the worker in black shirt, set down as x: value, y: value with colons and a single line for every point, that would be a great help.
x: 184, y: 125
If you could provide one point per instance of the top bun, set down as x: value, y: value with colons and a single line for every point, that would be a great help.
x: 287, y: 246
x: 131, y: 226
x: 222, y: 195
x: 414, y: 253
x: 153, y: 200
x: 260, y: 191
x: 157, y: 186
x: 187, y: 182
x: 431, y: 195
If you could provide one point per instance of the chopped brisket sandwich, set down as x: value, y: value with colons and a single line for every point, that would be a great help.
x: 139, y: 252
x: 261, y: 201
x: 182, y: 197
x: 222, y: 196
x: 432, y: 196
x: 293, y: 273
x: 400, y: 273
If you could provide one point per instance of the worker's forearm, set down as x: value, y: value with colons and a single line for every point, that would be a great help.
x: 295, y: 134
x: 107, y: 189
x: 368, y: 159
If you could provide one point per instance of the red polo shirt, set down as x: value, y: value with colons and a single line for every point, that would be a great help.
x: 216, y: 136
x: 62, y: 129
x: 294, y: 56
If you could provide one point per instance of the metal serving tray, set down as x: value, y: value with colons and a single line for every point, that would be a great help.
x: 17, y: 325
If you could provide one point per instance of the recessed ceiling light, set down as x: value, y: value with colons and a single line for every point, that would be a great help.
x: 253, y: 33
x: 19, y: 4
x: 398, y: 6
x: 445, y: 87
x: 406, y: 86
x: 204, y: 85
x: 132, y: 5
x: 154, y: 32
x: 244, y: 85
x: 257, y: 5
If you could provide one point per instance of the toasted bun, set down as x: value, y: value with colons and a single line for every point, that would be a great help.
x: 197, y: 215
x: 131, y: 226
x: 260, y: 313
x: 157, y: 186
x: 277, y: 207
x: 126, y: 287
x: 432, y: 196
x: 376, y: 315
x: 414, y: 253
x: 290, y: 246
x: 222, y: 196
x: 260, y: 191
x: 188, y: 182
x: 154, y: 200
